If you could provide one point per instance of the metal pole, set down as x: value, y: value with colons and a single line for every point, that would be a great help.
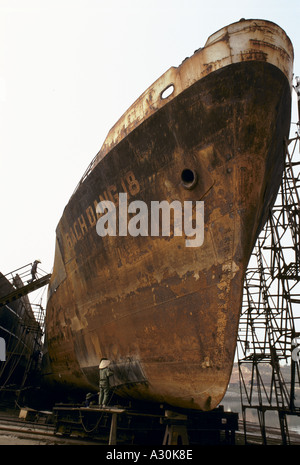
x: 113, y: 430
x: 297, y: 89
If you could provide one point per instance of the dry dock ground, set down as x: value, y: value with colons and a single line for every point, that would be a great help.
x: 14, y: 431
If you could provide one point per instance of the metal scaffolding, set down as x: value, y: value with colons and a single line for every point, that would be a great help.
x: 269, y: 332
x: 25, y: 326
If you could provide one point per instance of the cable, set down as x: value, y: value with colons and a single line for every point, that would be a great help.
x: 100, y: 418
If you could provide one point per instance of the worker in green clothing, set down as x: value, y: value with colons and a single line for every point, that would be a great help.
x: 104, y: 372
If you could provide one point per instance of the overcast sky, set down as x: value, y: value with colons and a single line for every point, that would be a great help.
x: 68, y: 70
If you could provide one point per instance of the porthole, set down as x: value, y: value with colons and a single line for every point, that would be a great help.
x: 167, y: 92
x: 188, y: 178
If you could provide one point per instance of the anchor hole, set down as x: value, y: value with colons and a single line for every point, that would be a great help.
x: 188, y: 178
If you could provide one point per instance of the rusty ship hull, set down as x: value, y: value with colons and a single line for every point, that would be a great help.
x: 167, y: 315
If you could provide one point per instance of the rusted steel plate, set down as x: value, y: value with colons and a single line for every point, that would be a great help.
x: 167, y: 314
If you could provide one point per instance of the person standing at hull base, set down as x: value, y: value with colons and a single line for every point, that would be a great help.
x: 104, y: 374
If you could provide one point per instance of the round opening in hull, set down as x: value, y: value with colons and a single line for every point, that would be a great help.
x: 188, y: 178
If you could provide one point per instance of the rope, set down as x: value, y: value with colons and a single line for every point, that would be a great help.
x: 94, y: 428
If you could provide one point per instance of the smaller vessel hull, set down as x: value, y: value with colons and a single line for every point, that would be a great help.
x: 23, y: 340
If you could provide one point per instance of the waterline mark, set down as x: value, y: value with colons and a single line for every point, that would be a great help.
x: 188, y: 219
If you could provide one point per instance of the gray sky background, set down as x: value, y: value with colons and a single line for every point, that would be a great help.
x: 68, y: 70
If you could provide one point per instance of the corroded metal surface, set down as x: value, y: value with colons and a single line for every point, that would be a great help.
x: 166, y: 314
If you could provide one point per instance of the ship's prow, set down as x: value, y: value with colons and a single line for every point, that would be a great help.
x: 166, y: 314
x: 230, y: 44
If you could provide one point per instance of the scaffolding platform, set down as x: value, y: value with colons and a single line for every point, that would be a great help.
x: 153, y: 425
x: 24, y: 290
x: 22, y: 329
x: 269, y: 329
